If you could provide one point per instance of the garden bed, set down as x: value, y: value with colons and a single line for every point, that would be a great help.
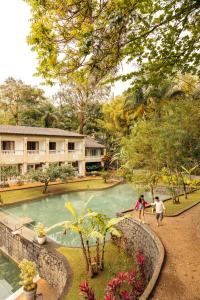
x: 115, y: 261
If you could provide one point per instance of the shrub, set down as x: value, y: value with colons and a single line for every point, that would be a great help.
x: 4, y: 185
x: 28, y: 272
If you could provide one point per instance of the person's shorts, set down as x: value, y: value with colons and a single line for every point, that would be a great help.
x: 159, y: 216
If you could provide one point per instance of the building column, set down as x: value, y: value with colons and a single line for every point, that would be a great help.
x: 24, y: 168
x: 66, y: 150
x: 47, y: 152
x: 25, y: 150
x: 81, y: 168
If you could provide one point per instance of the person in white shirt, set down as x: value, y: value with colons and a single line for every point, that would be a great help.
x: 160, y: 208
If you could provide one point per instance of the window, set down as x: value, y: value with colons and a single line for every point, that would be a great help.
x: 8, y: 145
x: 75, y: 164
x: 102, y: 151
x: 52, y: 146
x: 71, y: 146
x: 93, y: 152
x: 32, y: 145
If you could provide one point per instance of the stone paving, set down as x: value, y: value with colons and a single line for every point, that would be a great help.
x: 180, y: 277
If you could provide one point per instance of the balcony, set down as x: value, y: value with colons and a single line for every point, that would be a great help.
x: 74, y: 155
x: 35, y: 156
x: 57, y: 155
x: 39, y: 156
x: 93, y: 158
x: 11, y: 156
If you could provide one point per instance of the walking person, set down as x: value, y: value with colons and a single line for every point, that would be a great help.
x: 140, y: 206
x: 160, y: 209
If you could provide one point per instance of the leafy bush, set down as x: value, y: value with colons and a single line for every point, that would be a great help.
x: 4, y: 185
x: 28, y: 272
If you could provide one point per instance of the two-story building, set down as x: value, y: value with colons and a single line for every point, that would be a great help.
x: 35, y: 147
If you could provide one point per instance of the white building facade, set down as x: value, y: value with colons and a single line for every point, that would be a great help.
x: 35, y: 147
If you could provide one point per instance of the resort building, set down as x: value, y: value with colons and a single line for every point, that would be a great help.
x: 36, y: 147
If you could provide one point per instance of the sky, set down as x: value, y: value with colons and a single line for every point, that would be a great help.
x: 16, y: 58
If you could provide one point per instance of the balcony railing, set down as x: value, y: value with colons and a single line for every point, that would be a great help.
x: 75, y: 151
x: 11, y: 152
x: 56, y: 152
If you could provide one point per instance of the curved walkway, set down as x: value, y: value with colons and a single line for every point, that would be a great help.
x: 180, y: 277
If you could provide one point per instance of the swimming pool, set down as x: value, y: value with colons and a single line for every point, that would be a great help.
x: 9, y: 277
x: 52, y: 209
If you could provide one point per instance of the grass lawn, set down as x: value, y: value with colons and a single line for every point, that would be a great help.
x: 15, y: 196
x: 172, y: 208
x: 115, y: 261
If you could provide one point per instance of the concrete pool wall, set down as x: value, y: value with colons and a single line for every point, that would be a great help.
x: 51, y: 265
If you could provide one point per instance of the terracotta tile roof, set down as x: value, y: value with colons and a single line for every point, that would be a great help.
x: 91, y: 143
x: 26, y: 130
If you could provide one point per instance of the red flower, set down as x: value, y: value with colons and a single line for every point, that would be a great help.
x: 125, y: 295
x: 84, y: 288
x: 108, y: 297
x: 140, y: 258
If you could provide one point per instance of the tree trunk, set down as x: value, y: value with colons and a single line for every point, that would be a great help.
x: 98, y: 254
x: 152, y: 193
x: 84, y: 252
x: 81, y: 117
x: 45, y: 187
x: 91, y: 270
x: 185, y: 190
x: 102, y: 255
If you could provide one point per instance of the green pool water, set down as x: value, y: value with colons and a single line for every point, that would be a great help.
x: 52, y: 209
x: 9, y: 277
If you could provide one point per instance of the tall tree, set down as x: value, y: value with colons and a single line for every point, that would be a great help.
x: 160, y: 36
x: 79, y: 93
x: 16, y: 98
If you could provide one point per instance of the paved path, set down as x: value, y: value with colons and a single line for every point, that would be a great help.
x: 180, y: 277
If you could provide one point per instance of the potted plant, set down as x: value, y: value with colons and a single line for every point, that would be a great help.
x: 28, y: 272
x: 41, y: 233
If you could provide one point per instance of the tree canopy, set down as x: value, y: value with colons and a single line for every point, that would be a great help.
x: 161, y: 37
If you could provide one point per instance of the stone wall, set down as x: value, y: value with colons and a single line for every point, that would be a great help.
x: 51, y: 265
x: 140, y: 237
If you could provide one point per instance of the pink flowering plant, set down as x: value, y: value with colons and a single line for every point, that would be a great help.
x: 125, y: 286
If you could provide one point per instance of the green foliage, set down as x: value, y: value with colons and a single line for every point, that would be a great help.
x: 164, y: 145
x: 8, y: 172
x: 20, y: 101
x: 81, y: 95
x: 28, y: 272
x: 40, y: 230
x: 90, y: 226
x: 161, y: 37
x: 51, y: 173
x: 105, y: 175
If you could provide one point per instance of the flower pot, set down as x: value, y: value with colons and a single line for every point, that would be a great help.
x: 41, y: 239
x: 29, y: 295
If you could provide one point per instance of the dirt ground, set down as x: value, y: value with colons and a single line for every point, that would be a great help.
x: 180, y: 277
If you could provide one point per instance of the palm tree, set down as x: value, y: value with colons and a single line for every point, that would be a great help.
x: 77, y: 225
x: 90, y: 226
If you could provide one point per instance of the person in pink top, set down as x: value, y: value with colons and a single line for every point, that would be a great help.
x: 140, y: 206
